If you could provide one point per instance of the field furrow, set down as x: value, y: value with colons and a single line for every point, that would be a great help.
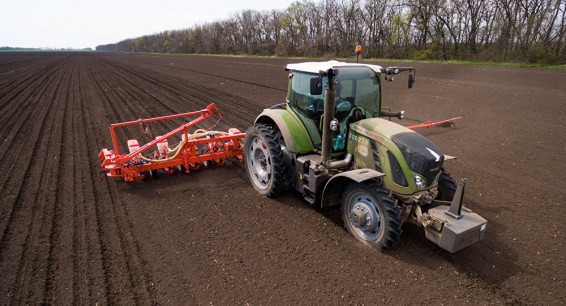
x: 127, y: 270
x: 40, y: 199
x: 19, y: 159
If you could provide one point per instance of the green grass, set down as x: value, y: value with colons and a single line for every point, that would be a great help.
x: 351, y: 59
x: 497, y: 64
x: 465, y: 62
x: 43, y: 51
x: 376, y: 60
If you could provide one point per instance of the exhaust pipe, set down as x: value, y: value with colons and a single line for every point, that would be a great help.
x: 329, y: 97
x: 337, y: 164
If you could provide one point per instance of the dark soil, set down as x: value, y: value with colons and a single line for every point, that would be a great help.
x: 70, y: 235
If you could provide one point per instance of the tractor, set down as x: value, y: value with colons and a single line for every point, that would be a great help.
x: 334, y: 144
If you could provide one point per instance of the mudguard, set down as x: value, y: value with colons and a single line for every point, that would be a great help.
x: 333, y: 187
x: 297, y: 139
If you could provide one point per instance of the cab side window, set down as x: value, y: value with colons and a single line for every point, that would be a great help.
x: 300, y: 98
x: 366, y: 93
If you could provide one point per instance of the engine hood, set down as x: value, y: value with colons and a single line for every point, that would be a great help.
x: 410, y: 148
x: 379, y: 129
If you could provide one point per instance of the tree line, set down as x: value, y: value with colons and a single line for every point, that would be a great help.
x: 531, y: 31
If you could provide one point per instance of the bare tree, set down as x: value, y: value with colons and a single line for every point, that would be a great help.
x: 523, y: 30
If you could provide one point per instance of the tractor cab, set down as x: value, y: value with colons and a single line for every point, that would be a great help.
x: 358, y: 97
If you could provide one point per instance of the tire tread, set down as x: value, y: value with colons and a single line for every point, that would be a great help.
x: 393, y: 222
x: 280, y: 169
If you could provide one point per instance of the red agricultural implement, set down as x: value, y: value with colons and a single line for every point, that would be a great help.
x: 177, y: 151
x: 428, y: 124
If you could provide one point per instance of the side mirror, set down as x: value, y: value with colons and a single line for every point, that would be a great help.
x: 400, y: 114
x: 316, y: 86
x: 411, y: 80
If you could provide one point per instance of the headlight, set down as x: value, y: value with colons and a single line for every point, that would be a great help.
x: 419, y: 180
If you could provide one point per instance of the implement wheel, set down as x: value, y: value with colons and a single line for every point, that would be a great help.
x: 371, y: 215
x: 265, y: 161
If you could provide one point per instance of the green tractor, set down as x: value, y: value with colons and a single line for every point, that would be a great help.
x: 337, y: 148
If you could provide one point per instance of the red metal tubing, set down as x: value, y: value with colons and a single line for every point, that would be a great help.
x: 207, y: 110
x: 429, y: 124
x: 166, y: 136
x: 219, y: 147
x: 204, y: 114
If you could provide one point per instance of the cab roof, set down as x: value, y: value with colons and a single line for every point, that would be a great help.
x: 316, y: 67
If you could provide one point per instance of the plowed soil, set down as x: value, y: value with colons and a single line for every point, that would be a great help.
x: 70, y: 235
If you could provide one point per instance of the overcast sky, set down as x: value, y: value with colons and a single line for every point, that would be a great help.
x: 83, y: 24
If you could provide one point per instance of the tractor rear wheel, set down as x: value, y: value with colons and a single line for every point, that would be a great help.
x: 265, y: 160
x: 446, y: 186
x: 371, y: 215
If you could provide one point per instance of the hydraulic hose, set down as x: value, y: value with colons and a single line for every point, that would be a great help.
x: 197, y: 134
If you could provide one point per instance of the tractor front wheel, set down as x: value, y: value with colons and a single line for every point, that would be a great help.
x: 371, y: 215
x: 446, y: 186
x: 265, y: 161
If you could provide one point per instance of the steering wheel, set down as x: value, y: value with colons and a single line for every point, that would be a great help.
x: 343, y: 108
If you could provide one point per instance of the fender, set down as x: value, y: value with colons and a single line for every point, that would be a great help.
x: 296, y: 137
x: 333, y: 188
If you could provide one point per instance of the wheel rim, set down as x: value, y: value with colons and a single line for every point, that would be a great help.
x: 364, y: 216
x: 259, y: 163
